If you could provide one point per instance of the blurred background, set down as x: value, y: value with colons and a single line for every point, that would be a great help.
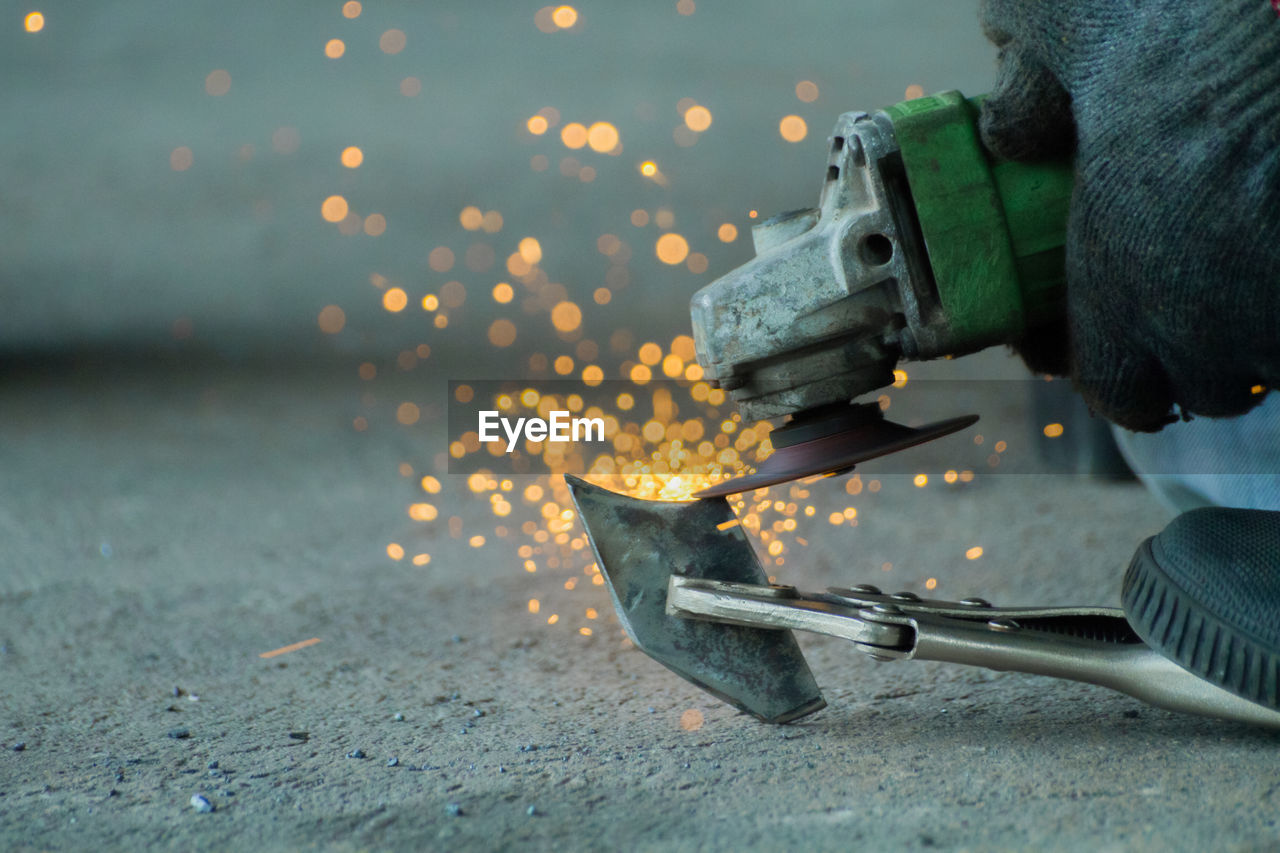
x: 253, y: 181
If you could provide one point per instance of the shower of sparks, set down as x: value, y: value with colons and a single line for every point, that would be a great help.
x: 284, y: 650
x: 494, y: 283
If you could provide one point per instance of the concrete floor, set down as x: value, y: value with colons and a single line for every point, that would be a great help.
x: 165, y: 526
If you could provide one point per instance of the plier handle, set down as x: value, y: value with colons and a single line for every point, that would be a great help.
x: 1095, y: 645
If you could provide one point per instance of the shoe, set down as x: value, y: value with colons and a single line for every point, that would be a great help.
x: 1205, y: 592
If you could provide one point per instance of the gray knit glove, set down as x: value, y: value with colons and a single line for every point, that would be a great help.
x: 1172, y: 110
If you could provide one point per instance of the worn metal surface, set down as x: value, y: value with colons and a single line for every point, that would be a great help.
x: 921, y: 246
x: 640, y: 545
x: 1094, y: 645
x: 814, y: 318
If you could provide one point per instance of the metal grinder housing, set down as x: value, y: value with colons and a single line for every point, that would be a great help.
x: 923, y: 245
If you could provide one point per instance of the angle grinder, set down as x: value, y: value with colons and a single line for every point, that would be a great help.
x: 924, y: 244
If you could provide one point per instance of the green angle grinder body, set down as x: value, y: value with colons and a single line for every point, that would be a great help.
x: 924, y: 245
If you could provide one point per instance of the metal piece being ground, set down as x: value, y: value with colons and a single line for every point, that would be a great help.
x: 836, y: 452
x: 639, y: 545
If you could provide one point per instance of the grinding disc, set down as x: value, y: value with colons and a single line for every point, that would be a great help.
x: 832, y: 442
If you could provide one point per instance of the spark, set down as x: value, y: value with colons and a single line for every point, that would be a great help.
x: 530, y: 251
x: 603, y: 137
x: 408, y: 413
x: 334, y: 209
x: 395, y: 300
x: 440, y: 259
x: 793, y: 128
x: 218, y: 83
x: 574, y: 135
x: 331, y: 319
x: 423, y: 512
x: 566, y: 316
x: 671, y: 248
x: 392, y: 41
x: 564, y: 17
x: 293, y: 647
x: 697, y: 118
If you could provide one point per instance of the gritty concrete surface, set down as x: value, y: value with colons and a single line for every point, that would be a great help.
x: 164, y: 526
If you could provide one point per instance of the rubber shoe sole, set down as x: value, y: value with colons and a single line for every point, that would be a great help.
x: 1205, y: 592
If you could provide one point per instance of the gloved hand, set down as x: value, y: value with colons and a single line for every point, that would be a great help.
x: 1173, y: 246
